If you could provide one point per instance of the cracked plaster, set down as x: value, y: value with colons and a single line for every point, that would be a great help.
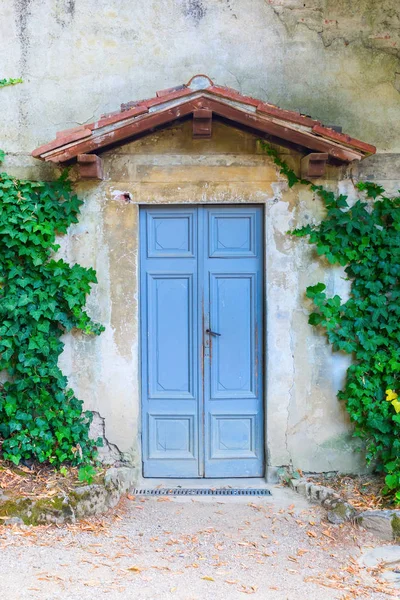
x: 335, y: 60
x: 306, y: 426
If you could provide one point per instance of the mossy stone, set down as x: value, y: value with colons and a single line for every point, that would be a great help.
x: 341, y: 512
x: 396, y: 527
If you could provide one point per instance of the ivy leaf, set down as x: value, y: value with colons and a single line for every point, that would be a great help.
x: 313, y: 290
x: 315, y: 319
x: 291, y: 177
x: 341, y: 201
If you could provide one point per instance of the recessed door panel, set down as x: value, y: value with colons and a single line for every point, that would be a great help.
x: 170, y: 234
x: 170, y: 335
x: 171, y: 436
x: 201, y: 323
x: 232, y: 311
x: 233, y: 436
x: 232, y: 234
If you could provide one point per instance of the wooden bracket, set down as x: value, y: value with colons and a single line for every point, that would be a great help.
x: 90, y: 166
x: 202, y: 123
x: 313, y: 165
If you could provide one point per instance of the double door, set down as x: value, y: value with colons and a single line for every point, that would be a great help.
x: 201, y: 299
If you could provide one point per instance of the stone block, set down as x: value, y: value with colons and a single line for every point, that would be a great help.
x: 315, y: 493
x: 301, y: 487
x: 122, y: 478
x: 385, y: 524
x: 341, y: 512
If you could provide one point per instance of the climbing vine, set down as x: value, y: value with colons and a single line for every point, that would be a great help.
x: 365, y: 239
x: 9, y: 81
x: 41, y: 297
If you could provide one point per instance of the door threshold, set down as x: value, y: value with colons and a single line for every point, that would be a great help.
x: 258, y: 483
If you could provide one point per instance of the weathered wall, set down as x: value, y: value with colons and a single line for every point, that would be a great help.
x: 305, y: 423
x: 335, y: 59
x: 338, y: 60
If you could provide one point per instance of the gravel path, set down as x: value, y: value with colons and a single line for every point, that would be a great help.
x: 275, y: 548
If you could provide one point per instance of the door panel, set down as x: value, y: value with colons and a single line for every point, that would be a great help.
x: 170, y: 345
x: 232, y: 311
x: 170, y: 335
x: 232, y: 234
x: 171, y: 437
x: 233, y: 401
x: 201, y: 269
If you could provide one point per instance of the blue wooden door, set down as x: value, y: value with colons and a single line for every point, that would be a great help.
x: 202, y: 325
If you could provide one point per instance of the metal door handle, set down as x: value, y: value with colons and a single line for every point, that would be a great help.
x: 212, y: 332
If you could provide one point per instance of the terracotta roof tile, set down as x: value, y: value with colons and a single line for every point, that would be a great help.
x: 63, y: 140
x: 149, y: 102
x: 231, y: 94
x: 168, y: 91
x: 286, y: 115
x: 167, y: 97
x: 344, y: 138
x: 140, y: 116
x: 120, y: 116
x: 77, y: 130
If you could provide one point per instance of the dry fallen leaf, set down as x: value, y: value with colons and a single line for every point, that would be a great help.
x: 207, y: 578
x: 248, y: 590
x: 135, y: 569
x: 311, y: 534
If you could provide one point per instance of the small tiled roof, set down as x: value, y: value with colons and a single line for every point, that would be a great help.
x: 141, y: 116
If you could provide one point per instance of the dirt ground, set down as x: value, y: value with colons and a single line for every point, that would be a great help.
x: 364, y: 492
x: 275, y: 548
x: 39, y: 480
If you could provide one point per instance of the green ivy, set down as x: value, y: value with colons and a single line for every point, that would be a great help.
x: 41, y: 297
x: 365, y: 239
x: 10, y: 81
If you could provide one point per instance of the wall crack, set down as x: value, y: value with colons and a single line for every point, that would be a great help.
x: 109, y: 453
x: 376, y: 28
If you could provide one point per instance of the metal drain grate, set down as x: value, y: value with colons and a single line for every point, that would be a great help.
x: 201, y: 492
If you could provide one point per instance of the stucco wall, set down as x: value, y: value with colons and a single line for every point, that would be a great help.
x: 305, y: 423
x: 338, y: 60
x: 335, y: 59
